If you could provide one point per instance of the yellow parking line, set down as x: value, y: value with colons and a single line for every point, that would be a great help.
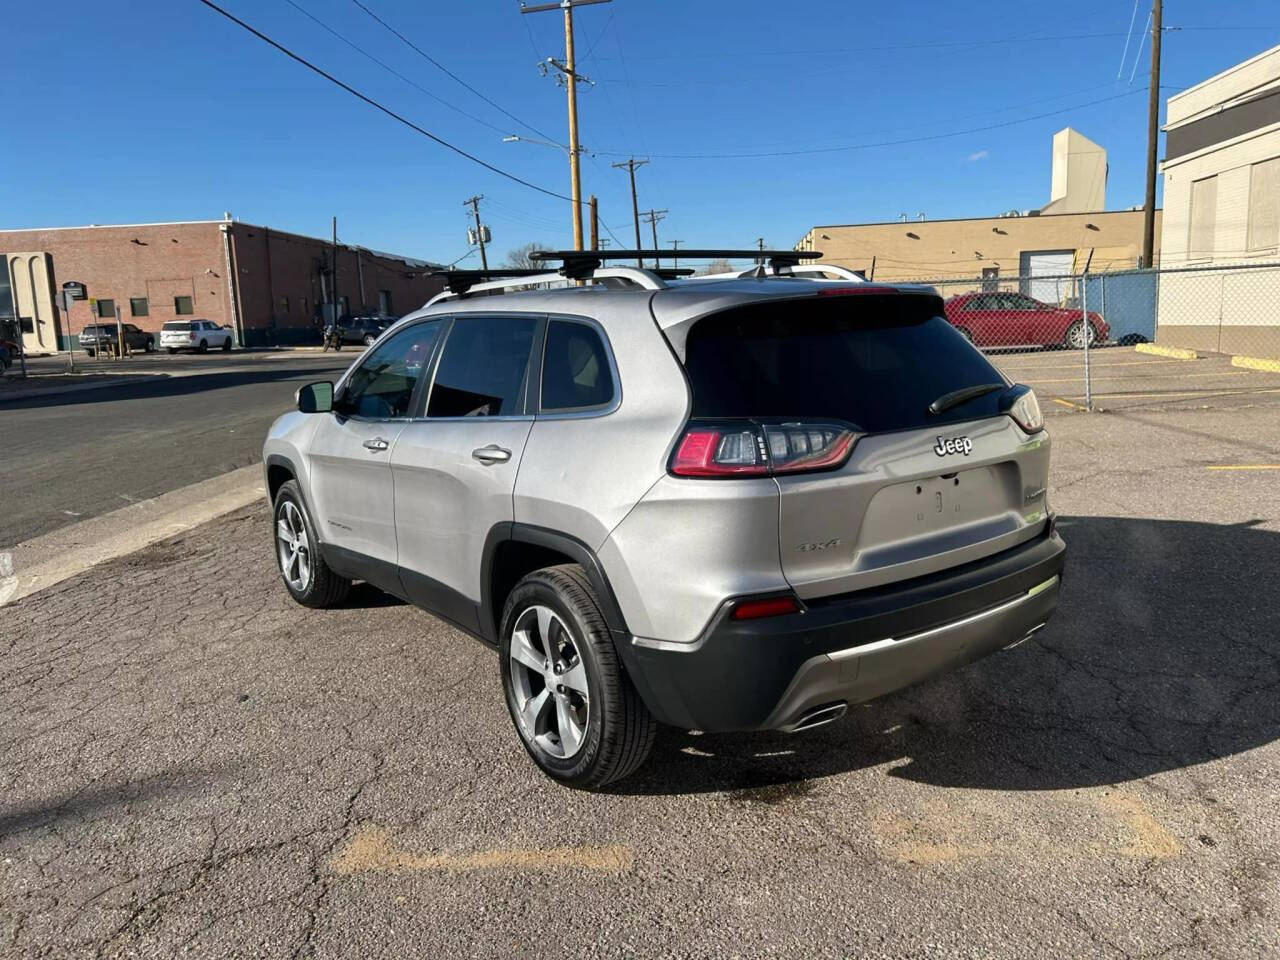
x: 1069, y: 405
x: 1186, y: 376
x: 1245, y: 466
x: 1207, y: 392
x: 1100, y: 363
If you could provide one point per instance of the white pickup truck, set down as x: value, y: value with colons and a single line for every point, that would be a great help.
x: 198, y: 335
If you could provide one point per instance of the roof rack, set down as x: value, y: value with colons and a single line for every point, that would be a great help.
x: 581, y: 264
x: 460, y: 281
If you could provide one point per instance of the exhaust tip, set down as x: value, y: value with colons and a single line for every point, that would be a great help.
x: 817, y: 717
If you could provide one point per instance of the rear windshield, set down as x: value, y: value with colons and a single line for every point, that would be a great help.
x: 178, y: 326
x: 875, y: 361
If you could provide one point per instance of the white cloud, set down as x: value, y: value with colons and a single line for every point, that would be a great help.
x: 980, y: 155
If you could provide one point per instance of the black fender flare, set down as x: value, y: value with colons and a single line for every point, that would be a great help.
x: 564, y: 543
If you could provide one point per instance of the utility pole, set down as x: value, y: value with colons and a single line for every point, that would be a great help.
x: 675, y: 253
x: 595, y: 222
x: 474, y: 204
x: 569, y: 70
x: 653, y: 216
x: 630, y: 166
x: 333, y: 278
x: 1153, y: 136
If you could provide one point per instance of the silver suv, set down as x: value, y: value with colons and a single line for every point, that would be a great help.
x: 731, y: 504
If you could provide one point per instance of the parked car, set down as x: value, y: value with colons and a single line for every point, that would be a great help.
x: 724, y: 505
x: 198, y: 335
x: 1017, y: 320
x: 105, y: 336
x: 362, y: 329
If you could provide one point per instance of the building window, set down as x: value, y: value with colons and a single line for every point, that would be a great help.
x: 1204, y: 213
x: 107, y: 308
x: 183, y: 306
x: 990, y: 279
x: 284, y: 305
x: 384, y: 302
x: 1264, y: 204
x: 138, y: 307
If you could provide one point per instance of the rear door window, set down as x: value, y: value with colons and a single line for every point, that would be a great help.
x: 875, y: 361
x: 575, y: 368
x: 484, y: 369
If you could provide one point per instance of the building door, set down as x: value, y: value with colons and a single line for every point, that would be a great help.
x: 1046, y: 274
x: 29, y: 301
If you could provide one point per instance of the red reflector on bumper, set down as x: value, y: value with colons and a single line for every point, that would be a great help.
x: 769, y: 607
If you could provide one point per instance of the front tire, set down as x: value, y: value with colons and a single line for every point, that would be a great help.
x: 150, y: 347
x: 572, y: 704
x: 226, y: 345
x: 172, y: 350
x: 204, y: 346
x: 298, y: 557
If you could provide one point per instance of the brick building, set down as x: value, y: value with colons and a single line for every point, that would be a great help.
x: 271, y: 287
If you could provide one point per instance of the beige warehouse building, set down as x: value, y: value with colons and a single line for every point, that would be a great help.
x: 1072, y: 228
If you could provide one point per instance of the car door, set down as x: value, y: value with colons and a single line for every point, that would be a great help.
x: 350, y: 457
x: 455, y: 467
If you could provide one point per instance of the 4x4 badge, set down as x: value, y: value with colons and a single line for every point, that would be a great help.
x: 946, y: 445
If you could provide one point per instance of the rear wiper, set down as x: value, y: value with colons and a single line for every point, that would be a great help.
x: 957, y: 397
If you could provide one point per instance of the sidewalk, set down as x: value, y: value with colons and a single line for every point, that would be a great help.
x: 48, y: 385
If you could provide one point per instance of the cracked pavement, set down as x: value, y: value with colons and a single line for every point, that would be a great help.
x: 192, y: 765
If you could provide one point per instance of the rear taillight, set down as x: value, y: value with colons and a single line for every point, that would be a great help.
x: 753, y: 449
x: 1021, y: 404
x: 191, y: 335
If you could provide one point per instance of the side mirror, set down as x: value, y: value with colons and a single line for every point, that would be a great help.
x: 315, y: 397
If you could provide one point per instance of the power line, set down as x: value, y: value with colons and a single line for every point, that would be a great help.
x: 882, y: 143
x: 310, y: 16
x: 376, y: 105
x: 436, y: 63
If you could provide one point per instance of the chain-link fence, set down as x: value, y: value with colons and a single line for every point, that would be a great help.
x: 1150, y: 336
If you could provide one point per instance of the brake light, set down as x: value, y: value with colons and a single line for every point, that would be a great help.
x: 861, y: 288
x: 751, y: 449
x: 191, y: 335
x: 1021, y: 404
x: 766, y: 607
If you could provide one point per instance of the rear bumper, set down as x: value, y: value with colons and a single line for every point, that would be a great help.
x: 780, y: 672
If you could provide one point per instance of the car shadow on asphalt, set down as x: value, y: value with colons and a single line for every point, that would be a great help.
x: 365, y: 596
x: 162, y: 385
x: 1164, y: 653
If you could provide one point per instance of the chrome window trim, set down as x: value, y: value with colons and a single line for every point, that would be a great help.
x: 595, y: 410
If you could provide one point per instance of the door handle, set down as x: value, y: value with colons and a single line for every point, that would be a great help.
x: 377, y: 444
x: 491, y: 454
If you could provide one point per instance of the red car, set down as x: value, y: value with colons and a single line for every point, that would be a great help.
x: 1016, y: 320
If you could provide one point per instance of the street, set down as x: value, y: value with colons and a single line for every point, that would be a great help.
x: 192, y: 764
x: 73, y: 456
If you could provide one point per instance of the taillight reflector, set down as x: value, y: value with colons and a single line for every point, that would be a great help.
x: 750, y: 449
x: 767, y: 607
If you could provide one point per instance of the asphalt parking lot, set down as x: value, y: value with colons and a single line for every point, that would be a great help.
x: 192, y: 765
x: 1124, y: 379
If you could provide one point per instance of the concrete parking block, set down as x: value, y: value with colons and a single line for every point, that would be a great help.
x: 1174, y: 353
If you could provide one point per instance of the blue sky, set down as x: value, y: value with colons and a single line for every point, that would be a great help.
x: 162, y: 110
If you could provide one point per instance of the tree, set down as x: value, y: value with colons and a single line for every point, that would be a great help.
x: 519, y: 257
x: 716, y: 266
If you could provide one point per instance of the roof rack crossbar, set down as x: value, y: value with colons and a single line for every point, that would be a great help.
x: 578, y: 264
x: 460, y: 281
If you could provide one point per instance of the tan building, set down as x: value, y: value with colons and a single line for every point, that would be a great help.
x: 1059, y: 239
x: 1222, y: 205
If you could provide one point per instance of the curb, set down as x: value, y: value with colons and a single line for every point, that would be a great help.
x: 1257, y: 363
x: 1174, y: 353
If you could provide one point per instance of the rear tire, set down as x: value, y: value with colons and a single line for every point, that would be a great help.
x: 204, y: 346
x: 226, y: 345
x: 150, y: 347
x: 313, y: 585
x: 90, y: 353
x: 617, y: 731
x: 172, y: 350
x: 1075, y: 336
